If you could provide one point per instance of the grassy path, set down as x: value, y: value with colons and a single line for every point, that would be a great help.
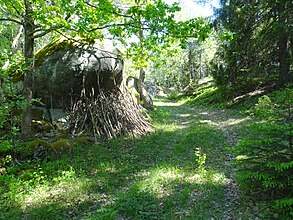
x: 219, y: 160
x: 181, y: 171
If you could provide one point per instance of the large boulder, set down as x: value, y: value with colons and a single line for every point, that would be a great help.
x: 63, y: 68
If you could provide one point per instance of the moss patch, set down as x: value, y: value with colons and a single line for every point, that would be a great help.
x: 60, y: 43
x: 55, y: 45
x: 28, y: 150
x: 62, y: 147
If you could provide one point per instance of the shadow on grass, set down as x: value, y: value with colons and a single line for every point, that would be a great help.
x: 153, y: 177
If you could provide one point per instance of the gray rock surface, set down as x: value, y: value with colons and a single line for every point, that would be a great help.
x: 63, y: 73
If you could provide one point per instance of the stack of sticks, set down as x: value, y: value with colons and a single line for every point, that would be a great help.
x: 108, y: 115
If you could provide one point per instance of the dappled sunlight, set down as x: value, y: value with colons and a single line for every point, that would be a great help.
x: 250, y: 94
x: 216, y: 118
x: 204, y: 113
x: 166, y: 103
x: 184, y: 125
x: 68, y: 186
x: 209, y: 122
x: 165, y: 181
x: 225, y: 123
x: 159, y: 181
x: 185, y: 115
x: 158, y: 176
x: 234, y: 121
x: 167, y: 127
x: 107, y: 167
x: 208, y: 177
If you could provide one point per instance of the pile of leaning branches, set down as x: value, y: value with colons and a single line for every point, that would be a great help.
x: 108, y: 115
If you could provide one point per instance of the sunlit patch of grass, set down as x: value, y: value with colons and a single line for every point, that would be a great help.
x: 168, y: 192
x: 66, y: 186
x: 162, y: 181
x: 167, y: 128
x: 204, y: 95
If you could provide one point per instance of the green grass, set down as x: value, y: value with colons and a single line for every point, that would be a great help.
x: 153, y: 177
x: 206, y: 95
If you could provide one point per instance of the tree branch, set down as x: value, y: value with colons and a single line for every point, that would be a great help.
x: 44, y: 32
x: 17, y: 12
x: 12, y: 20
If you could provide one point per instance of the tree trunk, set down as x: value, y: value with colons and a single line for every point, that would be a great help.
x: 284, y: 64
x: 28, y: 75
x: 284, y: 75
x: 143, y: 94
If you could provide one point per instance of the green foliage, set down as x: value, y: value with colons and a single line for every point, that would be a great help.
x: 264, y: 108
x: 159, y: 114
x: 12, y: 102
x: 200, y: 159
x: 264, y: 158
x: 182, y: 68
x: 152, y: 22
x: 83, y: 140
x: 172, y: 94
x: 16, y: 69
x: 249, y: 37
x: 5, y: 146
x: 33, y: 145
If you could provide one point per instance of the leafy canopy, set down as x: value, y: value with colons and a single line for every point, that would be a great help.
x: 140, y: 26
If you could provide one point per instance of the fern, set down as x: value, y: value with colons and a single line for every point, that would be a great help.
x: 285, y: 204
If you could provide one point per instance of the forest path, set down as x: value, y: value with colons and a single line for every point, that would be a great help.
x: 228, y: 123
x: 182, y: 170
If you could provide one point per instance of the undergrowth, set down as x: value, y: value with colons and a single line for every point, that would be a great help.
x: 264, y: 159
x: 212, y: 96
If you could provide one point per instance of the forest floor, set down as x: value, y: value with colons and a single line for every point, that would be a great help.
x: 180, y: 171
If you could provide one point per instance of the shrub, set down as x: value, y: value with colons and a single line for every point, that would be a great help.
x: 264, y: 158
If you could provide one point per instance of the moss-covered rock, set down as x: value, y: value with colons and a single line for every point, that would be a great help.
x: 62, y: 147
x: 35, y: 149
x: 55, y: 45
x: 64, y: 67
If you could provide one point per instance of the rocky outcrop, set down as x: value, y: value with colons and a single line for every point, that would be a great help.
x: 64, y: 68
